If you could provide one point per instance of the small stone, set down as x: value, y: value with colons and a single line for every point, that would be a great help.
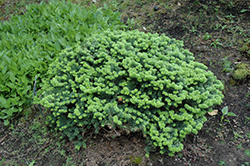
x: 156, y: 8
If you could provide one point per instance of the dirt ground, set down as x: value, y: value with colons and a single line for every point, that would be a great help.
x: 214, y: 33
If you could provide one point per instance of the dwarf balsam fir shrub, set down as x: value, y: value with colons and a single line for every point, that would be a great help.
x: 134, y: 81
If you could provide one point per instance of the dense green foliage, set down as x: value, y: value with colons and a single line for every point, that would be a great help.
x: 133, y: 81
x: 28, y: 43
x: 242, y: 70
x: 245, y: 49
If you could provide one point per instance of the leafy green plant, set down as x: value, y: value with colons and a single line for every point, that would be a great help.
x: 241, y: 71
x: 30, y: 42
x: 226, y: 65
x: 247, y: 152
x: 248, y: 135
x: 69, y: 161
x: 247, y: 120
x: 207, y: 36
x: 248, y: 94
x: 222, y: 162
x: 245, y: 49
x: 216, y: 43
x: 226, y: 113
x: 2, y: 160
x: 245, y: 10
x: 247, y: 163
x: 236, y: 135
x: 135, y: 159
x: 132, y: 81
x: 230, y: 18
x: 32, y: 163
x: 239, y: 146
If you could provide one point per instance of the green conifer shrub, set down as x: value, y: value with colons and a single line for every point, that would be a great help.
x: 133, y: 81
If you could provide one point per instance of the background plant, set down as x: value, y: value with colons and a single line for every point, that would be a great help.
x: 132, y: 81
x: 245, y: 49
x: 241, y: 71
x: 227, y: 65
x: 226, y: 113
x: 30, y: 42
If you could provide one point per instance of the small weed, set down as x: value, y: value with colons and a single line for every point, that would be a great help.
x: 193, y: 30
x: 135, y: 159
x: 180, y: 155
x: 238, y: 30
x: 69, y: 162
x: 226, y: 113
x: 168, y: 6
x: 222, y: 162
x: 248, y: 135
x: 32, y: 163
x: 245, y: 10
x: 247, y: 95
x: 130, y: 23
x: 236, y: 135
x: 230, y: 18
x: 247, y: 163
x: 222, y: 142
x: 217, y: 26
x: 62, y: 152
x: 226, y: 65
x: 2, y: 161
x: 223, y: 27
x: 216, y: 9
x: 216, y: 43
x: 207, y: 36
x: 239, y: 146
x: 247, y: 152
x: 247, y: 120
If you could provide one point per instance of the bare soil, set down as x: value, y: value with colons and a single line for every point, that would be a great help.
x: 217, y: 143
